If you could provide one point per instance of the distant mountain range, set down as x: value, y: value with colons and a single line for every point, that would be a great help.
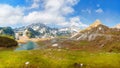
x: 7, y: 31
x: 96, y: 37
x: 39, y: 30
x: 36, y: 30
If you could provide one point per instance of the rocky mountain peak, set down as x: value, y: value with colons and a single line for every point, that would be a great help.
x: 117, y: 26
x: 94, y: 30
x: 95, y: 24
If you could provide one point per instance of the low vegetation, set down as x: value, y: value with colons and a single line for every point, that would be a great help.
x: 58, y: 59
x: 72, y: 54
x: 7, y: 42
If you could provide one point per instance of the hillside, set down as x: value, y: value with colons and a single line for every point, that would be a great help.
x: 96, y: 29
x: 7, y: 42
x: 7, y: 31
x: 97, y: 37
x: 97, y: 43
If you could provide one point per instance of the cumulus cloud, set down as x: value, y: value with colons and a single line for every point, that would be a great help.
x: 99, y: 10
x: 10, y: 15
x: 43, y: 17
x: 35, y: 4
x: 48, y: 12
x: 54, y: 11
x: 74, y: 22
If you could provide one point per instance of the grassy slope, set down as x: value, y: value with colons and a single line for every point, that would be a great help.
x: 101, y: 43
x: 57, y: 59
x: 63, y: 59
x: 7, y: 42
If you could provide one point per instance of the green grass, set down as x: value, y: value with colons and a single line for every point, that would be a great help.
x: 57, y: 59
x: 8, y: 36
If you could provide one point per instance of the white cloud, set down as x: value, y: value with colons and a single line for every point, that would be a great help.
x: 61, y: 6
x: 100, y: 10
x: 10, y: 15
x: 43, y: 17
x: 74, y: 22
x: 86, y: 11
x: 35, y: 4
x: 53, y: 12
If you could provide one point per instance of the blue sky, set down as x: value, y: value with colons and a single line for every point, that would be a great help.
x: 110, y: 15
x: 80, y: 13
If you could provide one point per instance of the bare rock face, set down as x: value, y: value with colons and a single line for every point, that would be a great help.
x: 97, y: 29
x: 95, y: 24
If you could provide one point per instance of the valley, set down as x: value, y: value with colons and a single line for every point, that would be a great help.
x: 96, y: 46
x: 59, y: 33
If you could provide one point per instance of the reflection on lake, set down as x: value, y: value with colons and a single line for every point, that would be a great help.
x: 28, y: 46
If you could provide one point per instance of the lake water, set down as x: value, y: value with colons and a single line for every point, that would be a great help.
x: 28, y: 46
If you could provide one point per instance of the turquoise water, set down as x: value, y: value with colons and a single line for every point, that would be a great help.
x: 28, y: 46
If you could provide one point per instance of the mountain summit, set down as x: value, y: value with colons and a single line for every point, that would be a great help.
x: 117, y: 26
x: 94, y: 30
x: 95, y: 24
